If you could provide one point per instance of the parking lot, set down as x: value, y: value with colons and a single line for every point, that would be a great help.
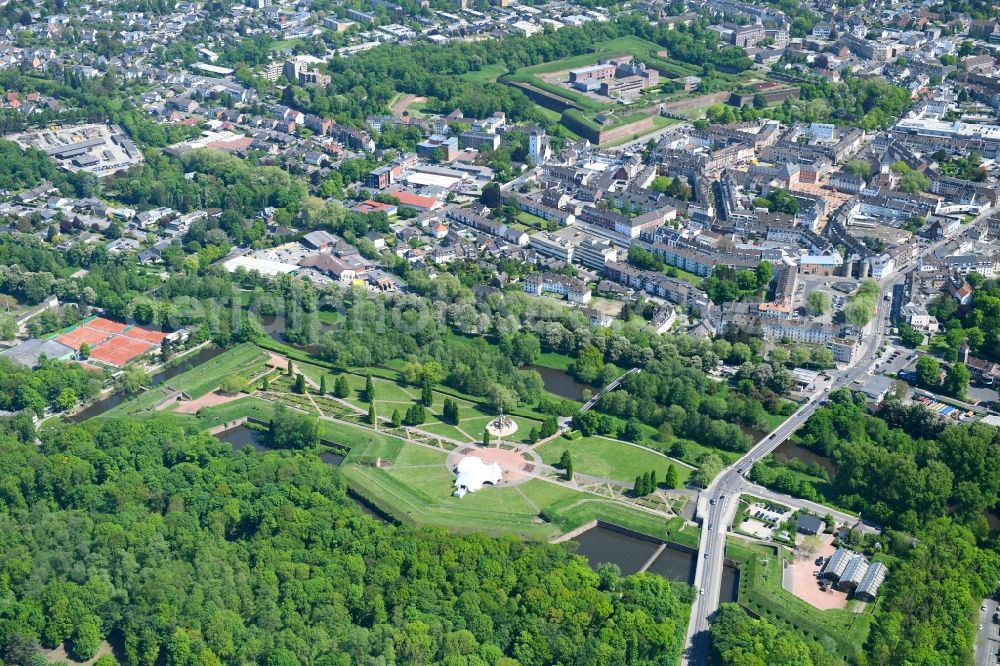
x: 802, y: 577
x: 97, y: 148
x: 896, y: 360
x: 763, y: 518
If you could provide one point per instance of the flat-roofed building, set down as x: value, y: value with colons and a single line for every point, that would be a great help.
x: 551, y: 245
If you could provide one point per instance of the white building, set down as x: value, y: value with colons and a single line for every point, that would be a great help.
x: 473, y: 472
x: 539, y: 150
x: 881, y: 266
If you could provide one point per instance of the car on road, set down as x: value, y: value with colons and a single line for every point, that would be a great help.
x: 712, y: 501
x: 983, y: 607
x: 706, y: 556
x: 701, y: 591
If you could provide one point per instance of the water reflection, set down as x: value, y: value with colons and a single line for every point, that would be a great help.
x: 241, y: 437
x: 560, y: 382
x: 600, y: 545
x: 792, y: 451
x: 631, y: 551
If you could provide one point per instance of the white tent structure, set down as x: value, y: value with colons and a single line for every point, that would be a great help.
x: 473, y: 472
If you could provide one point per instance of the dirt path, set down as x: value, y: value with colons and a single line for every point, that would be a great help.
x: 404, y: 102
x: 208, y: 400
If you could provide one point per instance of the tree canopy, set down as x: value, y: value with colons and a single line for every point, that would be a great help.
x: 189, y: 553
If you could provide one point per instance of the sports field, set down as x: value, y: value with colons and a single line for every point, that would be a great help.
x: 111, y: 342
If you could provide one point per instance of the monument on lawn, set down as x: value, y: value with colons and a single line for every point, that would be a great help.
x: 502, y: 426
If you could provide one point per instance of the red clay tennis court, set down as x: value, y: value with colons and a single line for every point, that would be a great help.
x: 152, y: 337
x: 119, y: 350
x: 82, y: 334
x: 102, y: 324
x: 111, y: 342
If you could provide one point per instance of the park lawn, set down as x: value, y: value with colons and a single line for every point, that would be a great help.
x: 692, y: 450
x: 682, y: 274
x: 622, y: 45
x: 477, y: 424
x: 287, y: 43
x: 524, y: 426
x: 206, y: 377
x: 422, y: 496
x: 416, y: 488
x: 447, y: 430
x: 315, y: 372
x: 543, y: 493
x: 208, y: 417
x: 248, y: 406
x: 610, y: 459
x: 760, y: 590
x: 419, y: 456
x: 386, y: 391
x: 330, y: 317
x: 571, y: 512
x: 532, y: 221
x: 554, y: 360
x: 508, y: 500
x: 371, y: 445
x: 552, y: 116
x: 488, y: 74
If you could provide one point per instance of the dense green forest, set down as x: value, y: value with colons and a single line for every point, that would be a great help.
x: 179, y: 551
x: 937, y: 581
x: 54, y: 384
x: 929, y: 483
x: 902, y: 466
x: 740, y: 640
x: 868, y: 103
x: 24, y: 168
x: 938, y: 578
x: 221, y: 181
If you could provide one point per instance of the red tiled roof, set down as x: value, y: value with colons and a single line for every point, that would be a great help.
x: 415, y: 200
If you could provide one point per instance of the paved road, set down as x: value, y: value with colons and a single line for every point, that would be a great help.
x: 726, y: 487
x: 987, y: 638
x: 717, y: 518
x: 798, y: 503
